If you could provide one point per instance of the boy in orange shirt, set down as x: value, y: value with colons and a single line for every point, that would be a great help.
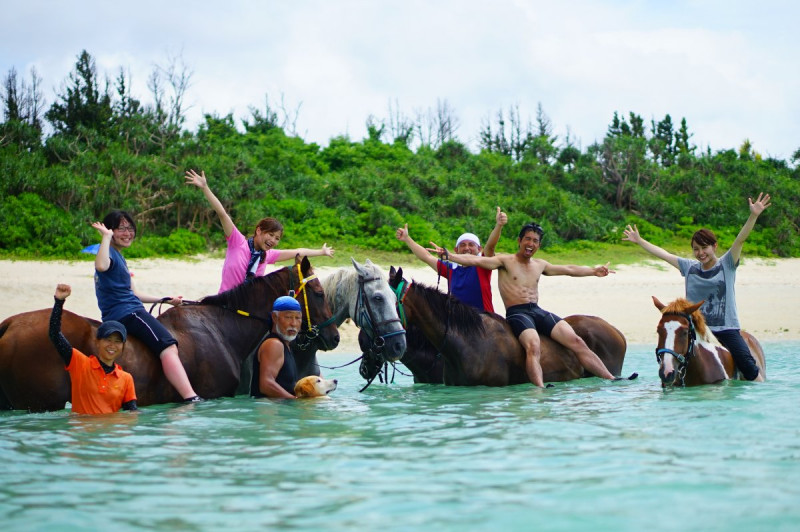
x: 99, y: 386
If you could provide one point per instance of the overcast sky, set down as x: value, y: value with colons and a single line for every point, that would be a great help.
x: 729, y: 67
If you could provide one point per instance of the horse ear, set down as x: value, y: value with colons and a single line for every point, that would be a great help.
x: 392, y: 272
x: 693, y: 308
x: 358, y: 267
x: 305, y: 266
x: 659, y: 305
x: 297, y: 258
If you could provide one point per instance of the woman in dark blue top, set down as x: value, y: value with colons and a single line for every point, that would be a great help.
x: 119, y: 300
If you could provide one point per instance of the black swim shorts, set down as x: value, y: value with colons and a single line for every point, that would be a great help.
x: 143, y: 326
x: 530, y: 316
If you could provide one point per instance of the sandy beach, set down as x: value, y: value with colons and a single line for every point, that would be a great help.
x: 768, y: 291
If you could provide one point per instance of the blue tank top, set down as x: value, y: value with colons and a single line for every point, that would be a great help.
x: 115, y: 296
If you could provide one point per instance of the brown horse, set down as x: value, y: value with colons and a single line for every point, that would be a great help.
x: 695, y: 358
x: 214, y: 337
x: 480, y: 348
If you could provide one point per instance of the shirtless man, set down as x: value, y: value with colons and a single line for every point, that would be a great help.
x: 518, y: 281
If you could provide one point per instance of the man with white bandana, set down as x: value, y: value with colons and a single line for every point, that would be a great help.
x: 274, y: 367
x: 470, y: 284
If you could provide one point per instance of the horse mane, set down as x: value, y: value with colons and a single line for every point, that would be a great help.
x: 338, y: 284
x: 462, y: 317
x: 240, y: 295
x: 342, y: 285
x: 680, y: 306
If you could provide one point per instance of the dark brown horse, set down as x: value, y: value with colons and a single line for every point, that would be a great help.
x: 480, y: 348
x: 214, y: 337
x: 687, y: 353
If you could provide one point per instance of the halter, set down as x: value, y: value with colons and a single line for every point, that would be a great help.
x: 312, y: 333
x: 683, y: 360
x: 364, y: 317
x: 400, y: 292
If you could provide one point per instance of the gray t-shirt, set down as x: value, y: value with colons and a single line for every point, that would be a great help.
x: 716, y: 287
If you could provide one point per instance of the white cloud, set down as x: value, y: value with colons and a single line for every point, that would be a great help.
x: 729, y: 70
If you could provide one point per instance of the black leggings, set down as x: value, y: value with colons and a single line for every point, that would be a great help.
x: 732, y: 340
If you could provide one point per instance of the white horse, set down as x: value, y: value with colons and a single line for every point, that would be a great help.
x: 364, y: 296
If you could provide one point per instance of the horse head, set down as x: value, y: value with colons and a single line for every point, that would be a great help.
x: 375, y: 312
x: 319, y: 325
x: 677, y: 331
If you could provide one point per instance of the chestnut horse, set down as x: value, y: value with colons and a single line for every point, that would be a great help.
x: 214, y: 337
x: 694, y: 355
x: 479, y: 348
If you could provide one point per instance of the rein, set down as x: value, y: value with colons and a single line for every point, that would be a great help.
x: 683, y: 359
x: 448, y: 304
x: 312, y: 333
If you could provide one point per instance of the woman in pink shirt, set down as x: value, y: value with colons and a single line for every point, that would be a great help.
x: 247, y: 257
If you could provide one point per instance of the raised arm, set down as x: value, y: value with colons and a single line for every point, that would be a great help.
x: 501, y: 219
x: 489, y: 263
x: 102, y: 260
x: 200, y: 181
x: 573, y: 270
x: 60, y: 341
x: 286, y: 254
x: 756, y: 208
x: 632, y: 235
x: 420, y: 252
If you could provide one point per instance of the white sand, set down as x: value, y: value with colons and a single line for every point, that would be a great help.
x: 768, y: 291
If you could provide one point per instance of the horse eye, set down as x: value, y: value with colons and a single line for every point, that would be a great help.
x: 378, y: 297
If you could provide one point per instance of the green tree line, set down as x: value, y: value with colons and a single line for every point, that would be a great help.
x: 104, y: 149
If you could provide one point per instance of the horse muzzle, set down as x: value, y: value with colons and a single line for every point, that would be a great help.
x: 668, y: 378
x: 394, y: 346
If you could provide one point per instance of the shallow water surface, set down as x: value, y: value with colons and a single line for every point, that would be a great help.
x: 582, y: 455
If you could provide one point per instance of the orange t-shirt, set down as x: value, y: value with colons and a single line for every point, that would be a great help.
x: 93, y: 390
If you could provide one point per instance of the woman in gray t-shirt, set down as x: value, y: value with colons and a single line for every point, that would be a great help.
x: 712, y: 280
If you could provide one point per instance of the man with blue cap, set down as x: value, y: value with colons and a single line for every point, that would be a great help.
x: 99, y: 386
x: 274, y: 367
x: 470, y: 284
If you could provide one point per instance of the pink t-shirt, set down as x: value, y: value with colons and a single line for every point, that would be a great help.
x: 237, y: 257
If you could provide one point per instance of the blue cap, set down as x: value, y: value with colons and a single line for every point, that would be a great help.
x: 107, y: 328
x: 285, y: 303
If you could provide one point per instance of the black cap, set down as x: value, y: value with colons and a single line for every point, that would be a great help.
x: 107, y: 328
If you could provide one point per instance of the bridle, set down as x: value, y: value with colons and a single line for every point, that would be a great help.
x: 306, y: 338
x: 364, y: 317
x: 683, y: 359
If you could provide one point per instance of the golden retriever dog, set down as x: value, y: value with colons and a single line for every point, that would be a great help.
x: 313, y: 386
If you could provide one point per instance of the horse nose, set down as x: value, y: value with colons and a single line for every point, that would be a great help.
x: 336, y: 381
x: 396, y: 348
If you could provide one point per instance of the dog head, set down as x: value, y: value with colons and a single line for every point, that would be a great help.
x: 313, y: 386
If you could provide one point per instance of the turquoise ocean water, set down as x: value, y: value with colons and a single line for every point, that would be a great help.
x: 586, y: 455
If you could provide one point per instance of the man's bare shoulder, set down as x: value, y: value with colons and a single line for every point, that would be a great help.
x: 271, y: 347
